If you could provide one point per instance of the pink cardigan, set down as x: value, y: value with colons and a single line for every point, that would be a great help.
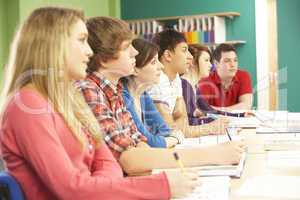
x: 42, y: 154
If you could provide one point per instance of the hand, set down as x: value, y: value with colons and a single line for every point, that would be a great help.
x: 171, y: 142
x: 178, y: 134
x: 198, y: 113
x: 142, y: 145
x: 218, y: 126
x: 249, y: 114
x: 182, y: 184
x: 228, y: 153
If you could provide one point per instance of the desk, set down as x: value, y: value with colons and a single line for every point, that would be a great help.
x: 256, y: 165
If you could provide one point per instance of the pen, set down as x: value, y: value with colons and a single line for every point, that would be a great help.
x: 179, y: 162
x: 228, y: 134
x: 211, y: 115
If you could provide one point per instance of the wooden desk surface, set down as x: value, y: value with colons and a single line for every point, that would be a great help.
x: 256, y: 165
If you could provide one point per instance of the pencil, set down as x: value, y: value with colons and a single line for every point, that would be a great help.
x: 179, y: 162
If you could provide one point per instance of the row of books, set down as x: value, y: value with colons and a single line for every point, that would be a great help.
x: 204, y: 29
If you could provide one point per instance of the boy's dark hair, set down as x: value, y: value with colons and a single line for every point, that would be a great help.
x: 167, y: 40
x: 222, y: 48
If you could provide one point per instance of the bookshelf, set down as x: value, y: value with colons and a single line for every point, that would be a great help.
x: 208, y: 29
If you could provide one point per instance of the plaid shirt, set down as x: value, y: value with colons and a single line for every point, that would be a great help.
x: 107, y: 104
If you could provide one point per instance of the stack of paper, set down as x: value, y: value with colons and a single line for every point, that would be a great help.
x: 212, y: 188
x: 283, y: 144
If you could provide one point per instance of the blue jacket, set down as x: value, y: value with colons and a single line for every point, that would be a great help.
x: 152, y: 126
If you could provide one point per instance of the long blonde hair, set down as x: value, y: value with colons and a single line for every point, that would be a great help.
x: 38, y: 57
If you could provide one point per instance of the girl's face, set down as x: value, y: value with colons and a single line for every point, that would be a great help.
x: 78, y: 51
x: 150, y: 73
x: 204, y: 64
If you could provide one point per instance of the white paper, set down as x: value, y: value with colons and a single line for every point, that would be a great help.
x: 212, y: 188
x: 283, y: 159
x: 244, y: 122
x: 281, y: 142
x: 269, y: 186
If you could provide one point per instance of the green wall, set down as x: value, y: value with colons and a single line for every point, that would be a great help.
x: 288, y: 53
x: 90, y: 7
x: 12, y: 12
x: 240, y: 28
x: 2, y: 33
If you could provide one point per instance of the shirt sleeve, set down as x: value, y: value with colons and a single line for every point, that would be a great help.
x: 153, y: 119
x: 189, y: 97
x: 116, y: 135
x: 204, y: 89
x: 246, y: 84
x: 154, y: 140
x: 38, y: 140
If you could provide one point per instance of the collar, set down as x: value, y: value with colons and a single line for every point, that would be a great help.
x: 108, y: 88
x: 165, y: 78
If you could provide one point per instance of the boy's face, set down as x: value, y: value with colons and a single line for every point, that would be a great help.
x: 228, y: 65
x: 181, y: 58
x: 125, y: 63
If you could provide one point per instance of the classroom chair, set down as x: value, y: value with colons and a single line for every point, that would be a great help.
x: 9, y: 187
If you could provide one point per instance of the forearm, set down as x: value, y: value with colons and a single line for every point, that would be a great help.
x: 192, y: 131
x: 133, y: 160
x: 238, y: 106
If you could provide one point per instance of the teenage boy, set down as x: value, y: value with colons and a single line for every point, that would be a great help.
x: 167, y: 95
x: 227, y: 88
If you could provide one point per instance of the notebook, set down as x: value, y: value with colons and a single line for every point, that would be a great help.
x: 212, y: 188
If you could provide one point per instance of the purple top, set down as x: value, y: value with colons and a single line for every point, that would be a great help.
x: 193, y: 101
